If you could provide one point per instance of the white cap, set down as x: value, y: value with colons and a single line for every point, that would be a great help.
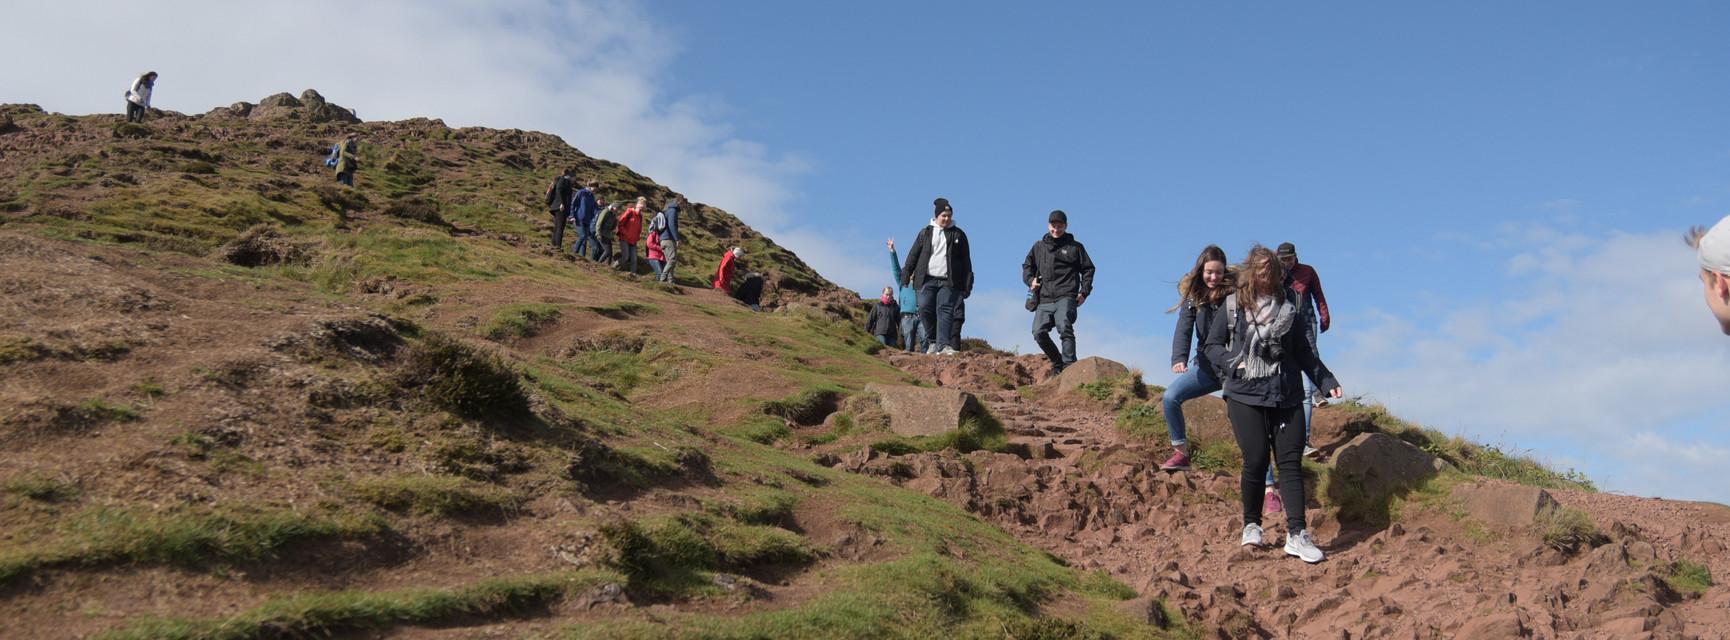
x: 1715, y: 248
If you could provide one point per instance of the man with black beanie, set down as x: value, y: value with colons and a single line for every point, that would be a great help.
x: 940, y: 268
x: 1059, y: 272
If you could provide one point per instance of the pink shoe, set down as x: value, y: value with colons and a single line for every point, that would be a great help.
x: 1177, y: 462
x: 1271, y: 503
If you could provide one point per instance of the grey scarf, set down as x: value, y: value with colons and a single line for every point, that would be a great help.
x: 1267, y: 324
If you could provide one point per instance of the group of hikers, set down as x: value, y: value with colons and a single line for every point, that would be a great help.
x: 1255, y: 327
x: 609, y: 234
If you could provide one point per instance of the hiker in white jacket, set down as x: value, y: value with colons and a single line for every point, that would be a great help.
x: 138, y: 97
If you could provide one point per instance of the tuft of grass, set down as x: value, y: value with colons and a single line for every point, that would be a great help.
x: 1116, y: 392
x: 980, y: 432
x: 1570, y: 530
x: 809, y: 406
x: 1472, y: 458
x: 1143, y: 421
x: 767, y: 506
x: 16, y: 348
x: 187, y: 537
x: 434, y: 495
x: 763, y: 430
x: 1688, y: 576
x: 520, y: 321
x: 1215, y: 455
x: 624, y: 310
x: 464, y: 380
x: 666, y: 554
x: 322, y: 614
x: 42, y: 488
x: 149, y: 388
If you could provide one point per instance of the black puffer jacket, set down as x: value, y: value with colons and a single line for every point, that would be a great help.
x: 1062, y: 266
x: 883, y: 319
x: 960, y: 259
x: 1298, y: 358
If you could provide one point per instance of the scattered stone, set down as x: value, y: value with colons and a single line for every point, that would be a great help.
x: 1146, y: 610
x: 1087, y: 370
x: 1373, y: 468
x: 922, y: 411
x: 1509, y: 505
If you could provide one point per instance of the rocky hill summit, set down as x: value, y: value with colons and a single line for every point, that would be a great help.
x: 241, y: 401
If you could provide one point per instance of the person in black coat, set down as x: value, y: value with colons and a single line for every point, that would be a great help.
x: 1058, y: 270
x: 885, y: 318
x: 940, y: 268
x: 559, y: 202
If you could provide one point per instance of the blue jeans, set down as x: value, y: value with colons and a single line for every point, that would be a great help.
x: 882, y: 340
x: 656, y: 265
x: 1309, y: 386
x: 628, y: 249
x: 912, y: 338
x: 937, y: 309
x: 587, y: 243
x: 1198, y: 381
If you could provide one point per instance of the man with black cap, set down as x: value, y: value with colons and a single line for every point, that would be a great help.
x: 940, y: 268
x: 1312, y: 311
x: 1059, y: 272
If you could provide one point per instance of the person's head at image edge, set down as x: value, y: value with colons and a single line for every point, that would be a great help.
x: 1713, y: 248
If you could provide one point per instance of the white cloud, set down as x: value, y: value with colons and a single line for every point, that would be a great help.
x: 1606, y: 340
x: 590, y: 71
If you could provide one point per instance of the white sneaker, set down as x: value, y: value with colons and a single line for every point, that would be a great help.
x: 1310, y: 452
x: 930, y: 349
x: 1251, y: 535
x: 1300, y: 545
x: 948, y: 351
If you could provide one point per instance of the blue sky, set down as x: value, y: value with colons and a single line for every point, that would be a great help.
x: 1493, y: 193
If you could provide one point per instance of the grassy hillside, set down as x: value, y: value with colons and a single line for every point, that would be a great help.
x: 242, y: 401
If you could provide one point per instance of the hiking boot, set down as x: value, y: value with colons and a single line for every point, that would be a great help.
x: 948, y: 351
x: 1270, y: 502
x: 1300, y: 545
x: 1251, y: 536
x: 1178, y: 462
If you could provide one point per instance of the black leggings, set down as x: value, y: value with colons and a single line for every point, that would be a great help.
x: 1259, y: 431
x: 134, y: 112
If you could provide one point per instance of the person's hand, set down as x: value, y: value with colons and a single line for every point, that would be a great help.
x: 1337, y: 393
x: 891, y: 244
x: 1034, y: 286
x: 1080, y: 298
x: 1180, y: 368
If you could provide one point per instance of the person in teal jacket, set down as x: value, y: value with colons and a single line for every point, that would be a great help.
x: 911, y: 333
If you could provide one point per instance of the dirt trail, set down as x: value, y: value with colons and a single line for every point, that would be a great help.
x: 1097, y: 499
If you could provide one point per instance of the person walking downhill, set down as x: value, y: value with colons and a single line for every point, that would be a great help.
x: 1314, y: 306
x: 1262, y: 355
x: 1713, y: 247
x: 655, y: 256
x: 559, y: 203
x: 584, y: 207
x: 724, y: 273
x: 912, y: 338
x: 1058, y: 269
x: 347, y: 160
x: 630, y: 231
x: 960, y: 316
x: 1199, y: 296
x: 138, y: 97
x: 939, y: 265
x: 667, y: 224
x: 884, y: 315
x: 606, y: 227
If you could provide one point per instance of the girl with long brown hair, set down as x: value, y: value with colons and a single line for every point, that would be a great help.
x: 1261, y: 355
x: 1199, y: 295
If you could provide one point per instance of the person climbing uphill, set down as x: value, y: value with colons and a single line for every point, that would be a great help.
x: 1199, y: 295
x: 939, y: 267
x: 724, y: 273
x: 666, y: 223
x: 1314, y: 306
x: 1713, y: 248
x: 606, y: 227
x: 1058, y: 269
x: 884, y: 317
x: 912, y: 337
x: 630, y: 232
x: 559, y: 203
x: 1262, y: 354
x: 138, y: 97
x: 347, y: 160
x: 583, y: 209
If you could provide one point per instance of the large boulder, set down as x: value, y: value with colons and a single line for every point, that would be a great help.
x: 1509, y: 505
x: 922, y: 411
x: 1373, y: 468
x: 1089, y: 370
x: 280, y: 100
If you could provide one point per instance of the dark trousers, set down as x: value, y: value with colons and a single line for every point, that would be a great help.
x: 937, y: 299
x: 346, y: 177
x: 628, y: 252
x: 559, y: 216
x: 604, y: 247
x: 1059, y: 313
x: 1265, y: 433
x: 134, y: 112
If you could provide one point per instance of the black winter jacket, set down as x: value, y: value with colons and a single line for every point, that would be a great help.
x: 559, y: 195
x: 884, y: 319
x: 960, y: 260
x: 1193, y: 319
x: 1298, y: 359
x: 1062, y: 266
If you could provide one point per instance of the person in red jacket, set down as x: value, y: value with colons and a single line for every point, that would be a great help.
x: 1313, y: 310
x: 724, y: 275
x: 630, y: 230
